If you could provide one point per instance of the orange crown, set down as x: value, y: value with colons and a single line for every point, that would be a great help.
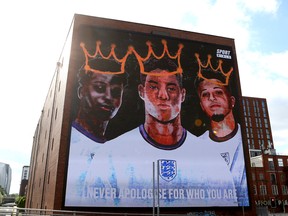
x: 219, y: 69
x: 151, y: 52
x: 98, y: 53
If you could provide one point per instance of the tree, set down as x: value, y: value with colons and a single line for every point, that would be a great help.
x: 2, y: 191
x: 20, y: 201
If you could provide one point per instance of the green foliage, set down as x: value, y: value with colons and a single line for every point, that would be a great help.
x: 20, y: 201
x: 2, y: 191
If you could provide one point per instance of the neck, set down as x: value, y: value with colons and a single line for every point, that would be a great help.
x: 93, y: 126
x: 224, y: 127
x: 165, y: 133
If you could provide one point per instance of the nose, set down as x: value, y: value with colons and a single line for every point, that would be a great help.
x: 108, y: 94
x: 163, y: 94
x: 212, y: 97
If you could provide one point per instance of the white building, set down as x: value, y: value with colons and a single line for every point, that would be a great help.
x: 5, y: 177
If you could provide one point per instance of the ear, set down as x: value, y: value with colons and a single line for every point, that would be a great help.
x: 141, y: 91
x: 232, y: 101
x: 80, y: 92
x: 183, y: 92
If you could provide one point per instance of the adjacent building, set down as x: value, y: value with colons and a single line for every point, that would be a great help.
x: 268, y: 170
x: 24, y: 181
x: 258, y: 133
x: 5, y: 177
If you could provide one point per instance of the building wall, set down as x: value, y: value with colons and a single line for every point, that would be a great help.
x: 271, y: 181
x: 258, y: 132
x: 48, y: 162
x: 25, y: 173
x: 24, y: 181
x: 268, y: 170
x: 46, y: 186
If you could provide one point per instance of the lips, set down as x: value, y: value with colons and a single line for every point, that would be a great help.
x: 163, y: 106
x: 107, y: 108
x: 215, y: 106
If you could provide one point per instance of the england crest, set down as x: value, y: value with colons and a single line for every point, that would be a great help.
x: 226, y: 157
x: 167, y: 169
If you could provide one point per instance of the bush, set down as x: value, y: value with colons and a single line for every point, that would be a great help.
x: 20, y: 201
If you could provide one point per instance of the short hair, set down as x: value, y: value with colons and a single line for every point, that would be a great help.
x: 164, y: 63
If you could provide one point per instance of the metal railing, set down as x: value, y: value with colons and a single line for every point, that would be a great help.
x: 14, y: 211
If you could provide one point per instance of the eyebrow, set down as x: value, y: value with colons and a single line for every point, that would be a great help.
x: 216, y: 87
x: 168, y: 84
x: 152, y: 81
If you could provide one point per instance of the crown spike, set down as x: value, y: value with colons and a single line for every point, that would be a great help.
x: 151, y: 53
x: 98, y: 53
x: 216, y: 70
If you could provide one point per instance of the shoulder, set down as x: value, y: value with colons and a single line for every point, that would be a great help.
x: 205, y: 135
x: 127, y: 135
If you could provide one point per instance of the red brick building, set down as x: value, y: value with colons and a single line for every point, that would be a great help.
x: 268, y: 170
x: 49, y: 157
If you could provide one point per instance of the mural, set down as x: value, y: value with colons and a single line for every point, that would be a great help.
x: 155, y: 120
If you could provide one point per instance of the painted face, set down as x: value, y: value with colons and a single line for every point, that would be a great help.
x: 214, y: 99
x: 101, y: 96
x: 162, y: 96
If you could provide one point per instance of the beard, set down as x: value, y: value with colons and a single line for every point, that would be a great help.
x: 217, y: 117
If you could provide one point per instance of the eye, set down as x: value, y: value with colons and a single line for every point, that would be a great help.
x: 100, y: 88
x: 205, y: 95
x: 153, y: 86
x: 171, y: 89
x: 219, y: 93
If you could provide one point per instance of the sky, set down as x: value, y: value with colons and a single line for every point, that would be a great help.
x: 33, y: 33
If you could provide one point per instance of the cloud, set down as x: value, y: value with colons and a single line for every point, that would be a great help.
x: 33, y: 38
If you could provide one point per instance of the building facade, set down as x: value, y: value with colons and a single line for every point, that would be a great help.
x: 5, y: 177
x: 269, y: 175
x: 268, y: 170
x: 48, y: 175
x: 24, y: 181
x: 258, y: 132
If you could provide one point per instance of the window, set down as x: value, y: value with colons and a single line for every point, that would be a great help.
x: 261, y: 176
x: 266, y: 123
x: 273, y: 179
x: 258, y: 134
x: 263, y: 190
x: 56, y: 113
x: 52, y: 145
x: 48, y: 178
x: 271, y: 164
x: 252, y: 144
x: 255, y: 189
x: 248, y: 111
x: 274, y: 190
x: 251, y: 132
x: 284, y: 190
x: 260, y: 122
x: 280, y: 162
x: 264, y: 112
